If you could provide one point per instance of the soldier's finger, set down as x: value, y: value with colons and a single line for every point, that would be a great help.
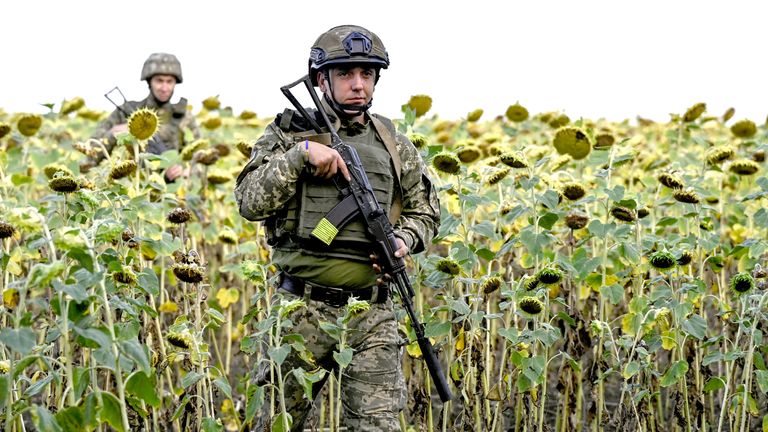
x: 343, y: 168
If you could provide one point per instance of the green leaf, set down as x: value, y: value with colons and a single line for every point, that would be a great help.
x: 614, y: 293
x: 20, y: 340
x: 44, y: 421
x: 4, y: 379
x: 277, y: 422
x: 674, y: 373
x: 437, y: 329
x: 343, y: 358
x: 223, y: 385
x: 278, y: 354
x: 762, y: 380
x: 143, y: 386
x: 190, y: 379
x: 83, y: 257
x: 94, y: 337
x: 41, y: 275
x: 136, y: 352
x: 696, y: 326
x: 82, y: 379
x: 212, y: 425
x: 148, y: 281
x: 714, y: 383
x: 548, y: 220
x: 331, y: 329
x: 40, y: 385
x: 631, y: 369
x: 459, y: 306
x: 110, y: 411
x: 180, y: 409
x: 72, y: 419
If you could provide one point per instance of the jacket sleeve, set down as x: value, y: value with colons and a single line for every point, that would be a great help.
x: 420, y: 218
x: 268, y: 181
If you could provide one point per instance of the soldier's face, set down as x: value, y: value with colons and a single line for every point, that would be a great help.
x: 162, y: 87
x: 351, y: 85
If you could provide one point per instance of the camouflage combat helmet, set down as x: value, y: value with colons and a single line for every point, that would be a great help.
x: 161, y: 63
x: 346, y: 44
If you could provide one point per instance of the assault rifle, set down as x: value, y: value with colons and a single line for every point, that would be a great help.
x: 358, y: 200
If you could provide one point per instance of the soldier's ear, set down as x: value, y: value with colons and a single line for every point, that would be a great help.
x: 321, y: 81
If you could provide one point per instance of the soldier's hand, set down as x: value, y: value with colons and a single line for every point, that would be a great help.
x: 385, y: 278
x: 327, y: 161
x: 173, y: 172
x: 116, y: 129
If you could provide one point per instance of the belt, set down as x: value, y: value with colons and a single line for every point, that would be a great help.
x: 334, y: 297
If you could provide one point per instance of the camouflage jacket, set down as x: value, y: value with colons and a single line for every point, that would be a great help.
x: 174, y: 120
x: 269, y: 180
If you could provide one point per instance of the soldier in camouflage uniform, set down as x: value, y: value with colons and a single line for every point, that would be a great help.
x: 287, y: 184
x: 162, y: 72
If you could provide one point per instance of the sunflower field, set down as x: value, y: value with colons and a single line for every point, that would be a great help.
x: 587, y: 276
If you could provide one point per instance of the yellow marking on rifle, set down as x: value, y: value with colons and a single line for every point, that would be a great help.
x: 325, y: 231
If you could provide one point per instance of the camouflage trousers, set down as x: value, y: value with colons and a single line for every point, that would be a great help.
x: 372, y: 385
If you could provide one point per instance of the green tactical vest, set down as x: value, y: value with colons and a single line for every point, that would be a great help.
x: 290, y: 230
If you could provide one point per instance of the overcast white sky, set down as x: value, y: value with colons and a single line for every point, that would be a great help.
x: 612, y: 59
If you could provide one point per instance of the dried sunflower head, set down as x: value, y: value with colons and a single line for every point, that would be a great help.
x: 211, y: 123
x: 446, y: 162
x: 212, y: 103
x: 468, y: 154
x: 474, y: 115
x: 245, y: 147
x: 247, y: 115
x: 576, y: 220
x: 122, y: 169
x: 694, y: 112
x: 63, y: 183
x: 685, y: 258
x: 218, y: 176
x: 559, y: 121
x: 492, y: 284
x: 573, y: 191
x: 189, y: 150
x: 744, y: 167
x: 228, y: 236
x: 742, y: 283
x: 531, y: 283
x: 72, y: 105
x: 688, y: 196
x: 758, y: 156
x: 718, y: 154
x: 671, y: 181
x: 125, y: 276
x: 5, y: 129
x: 604, y: 139
x: 623, y: 214
x: 531, y: 306
x: 207, y: 156
x: 29, y: 124
x: 572, y: 141
x: 6, y: 230
x: 744, y: 129
x: 420, y: 104
x: 142, y: 123
x: 550, y: 275
x: 498, y: 175
x: 513, y: 159
x: 179, y: 215
x: 189, y: 273
x: 643, y: 212
x: 448, y: 266
x: 517, y: 113
x: 662, y: 260
x: 180, y: 339
x: 728, y: 114
x: 418, y: 140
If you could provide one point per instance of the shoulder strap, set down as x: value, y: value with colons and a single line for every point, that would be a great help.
x: 386, y: 131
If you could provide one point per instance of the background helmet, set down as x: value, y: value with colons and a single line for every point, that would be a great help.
x: 346, y: 44
x: 161, y: 63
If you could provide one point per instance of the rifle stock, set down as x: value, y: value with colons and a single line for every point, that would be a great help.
x: 379, y: 228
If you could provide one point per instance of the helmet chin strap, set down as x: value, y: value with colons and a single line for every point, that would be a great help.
x: 341, y: 109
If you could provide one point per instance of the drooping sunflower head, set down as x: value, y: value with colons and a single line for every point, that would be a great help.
x: 6, y: 230
x: 670, y: 180
x: 550, y: 275
x: 517, y: 113
x: 63, y: 183
x: 72, y: 105
x: 573, y: 191
x: 694, y: 112
x: 662, y: 260
x: 142, y: 123
x: 446, y: 162
x: 718, y: 154
x: 728, y: 114
x: 498, y: 175
x: 744, y: 129
x: 513, y: 159
x: 29, y: 124
x: 572, y: 141
x: 468, y: 153
x: 420, y: 104
x: 418, y: 140
x: 685, y: 258
x: 50, y: 170
x: 5, y: 129
x: 448, y: 266
x: 744, y: 167
x: 179, y: 215
x: 623, y: 214
x: 688, y: 196
x: 475, y: 115
x: 531, y: 306
x: 212, y: 103
x: 122, y: 169
x: 492, y: 284
x: 211, y: 123
x: 576, y: 220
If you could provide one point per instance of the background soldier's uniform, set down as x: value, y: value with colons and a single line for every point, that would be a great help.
x: 276, y: 187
